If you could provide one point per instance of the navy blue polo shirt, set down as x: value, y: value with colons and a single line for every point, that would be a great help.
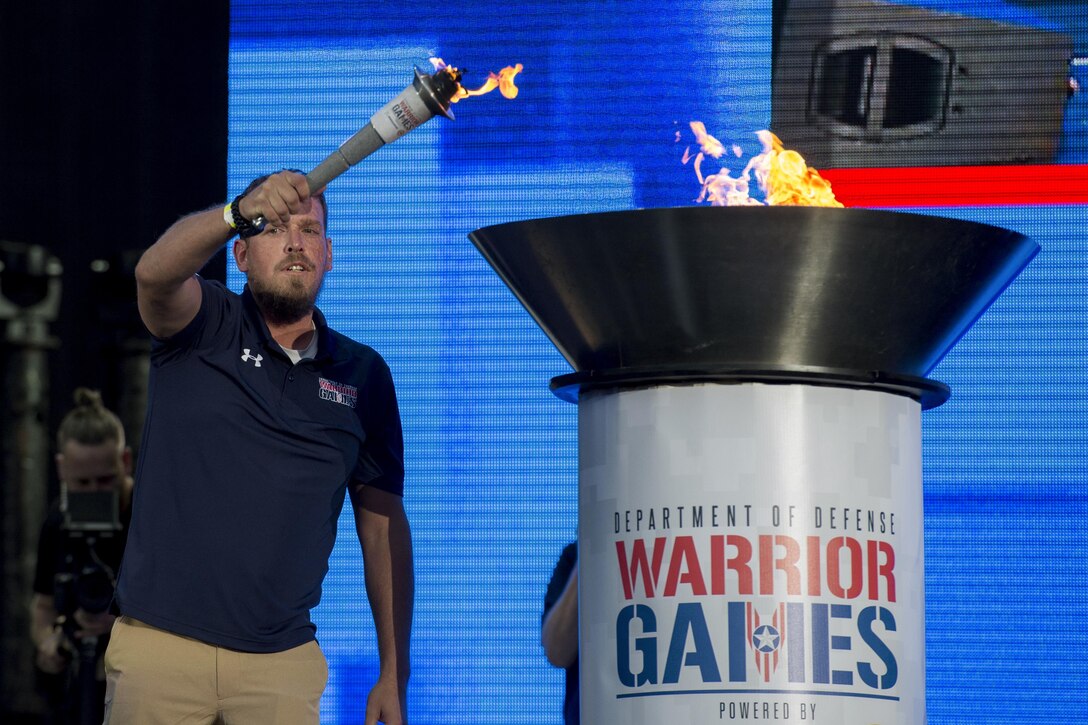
x: 244, y: 464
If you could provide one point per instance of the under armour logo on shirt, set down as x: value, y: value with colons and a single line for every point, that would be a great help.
x: 255, y: 358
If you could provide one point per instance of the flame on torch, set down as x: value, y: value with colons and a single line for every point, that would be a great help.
x: 503, y: 80
x: 781, y: 174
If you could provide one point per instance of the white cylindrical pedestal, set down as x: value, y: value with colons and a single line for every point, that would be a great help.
x: 750, y: 552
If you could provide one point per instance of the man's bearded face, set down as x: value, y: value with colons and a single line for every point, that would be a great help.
x: 286, y: 264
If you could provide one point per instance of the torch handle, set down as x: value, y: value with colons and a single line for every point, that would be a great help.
x: 365, y: 142
x: 415, y: 105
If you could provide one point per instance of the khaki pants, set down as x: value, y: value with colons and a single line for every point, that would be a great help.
x: 155, y: 677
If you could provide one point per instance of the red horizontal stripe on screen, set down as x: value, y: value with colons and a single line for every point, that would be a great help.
x: 960, y: 185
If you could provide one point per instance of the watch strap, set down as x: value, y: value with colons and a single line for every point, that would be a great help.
x: 245, y: 227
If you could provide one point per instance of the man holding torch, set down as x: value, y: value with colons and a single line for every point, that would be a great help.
x: 261, y: 420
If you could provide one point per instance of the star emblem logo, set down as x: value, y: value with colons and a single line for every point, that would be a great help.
x: 766, y: 639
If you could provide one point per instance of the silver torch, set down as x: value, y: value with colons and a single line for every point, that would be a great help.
x: 428, y: 96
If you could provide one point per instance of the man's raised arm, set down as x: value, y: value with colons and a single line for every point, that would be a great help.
x: 166, y: 287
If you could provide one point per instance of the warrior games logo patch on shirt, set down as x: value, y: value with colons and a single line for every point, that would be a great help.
x: 341, y: 393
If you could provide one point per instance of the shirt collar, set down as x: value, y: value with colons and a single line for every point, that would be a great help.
x: 326, y: 343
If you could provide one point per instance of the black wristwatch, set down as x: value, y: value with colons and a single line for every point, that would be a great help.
x: 245, y: 227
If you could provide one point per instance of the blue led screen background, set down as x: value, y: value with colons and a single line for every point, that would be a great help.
x: 491, y: 454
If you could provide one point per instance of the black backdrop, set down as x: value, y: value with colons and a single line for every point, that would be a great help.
x: 113, y: 120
